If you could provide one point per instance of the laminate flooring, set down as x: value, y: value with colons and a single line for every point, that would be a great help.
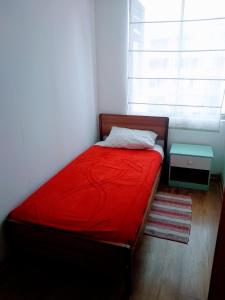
x: 166, y: 270
x: 163, y: 270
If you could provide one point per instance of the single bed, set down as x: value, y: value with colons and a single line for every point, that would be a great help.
x: 95, y: 209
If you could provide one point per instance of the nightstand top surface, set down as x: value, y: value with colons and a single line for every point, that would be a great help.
x: 192, y: 150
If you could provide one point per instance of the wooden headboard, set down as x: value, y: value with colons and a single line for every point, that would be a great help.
x: 156, y: 124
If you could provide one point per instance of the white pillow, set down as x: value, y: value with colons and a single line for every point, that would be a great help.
x: 130, y: 138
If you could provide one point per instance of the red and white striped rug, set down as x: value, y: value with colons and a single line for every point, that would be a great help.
x: 170, y: 217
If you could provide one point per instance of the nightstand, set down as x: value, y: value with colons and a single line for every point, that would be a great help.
x: 190, y: 166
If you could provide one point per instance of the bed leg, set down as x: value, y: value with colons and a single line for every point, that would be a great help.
x: 128, y: 275
x: 128, y: 283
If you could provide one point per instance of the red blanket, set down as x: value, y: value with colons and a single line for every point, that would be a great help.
x: 101, y: 194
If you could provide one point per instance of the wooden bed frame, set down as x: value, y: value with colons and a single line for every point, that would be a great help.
x: 25, y: 238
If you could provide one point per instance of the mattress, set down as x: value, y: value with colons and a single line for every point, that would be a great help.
x: 102, y: 194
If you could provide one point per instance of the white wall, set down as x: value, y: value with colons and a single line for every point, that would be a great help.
x: 111, y: 46
x: 223, y: 173
x: 111, y: 36
x: 47, y: 91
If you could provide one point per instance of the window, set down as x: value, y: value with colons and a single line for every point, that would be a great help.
x: 176, y: 61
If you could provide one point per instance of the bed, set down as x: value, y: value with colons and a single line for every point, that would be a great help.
x: 117, y: 187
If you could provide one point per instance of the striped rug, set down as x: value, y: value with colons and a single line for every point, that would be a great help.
x: 170, y: 217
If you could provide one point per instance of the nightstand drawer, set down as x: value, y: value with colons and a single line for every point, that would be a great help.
x: 192, y: 162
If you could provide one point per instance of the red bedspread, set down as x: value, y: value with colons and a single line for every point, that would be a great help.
x: 102, y: 194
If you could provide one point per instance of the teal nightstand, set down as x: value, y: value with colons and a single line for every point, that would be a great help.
x: 190, y: 166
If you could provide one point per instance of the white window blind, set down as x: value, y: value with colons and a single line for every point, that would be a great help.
x: 176, y: 61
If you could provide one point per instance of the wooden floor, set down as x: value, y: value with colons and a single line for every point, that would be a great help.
x: 163, y: 270
x: 167, y: 270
